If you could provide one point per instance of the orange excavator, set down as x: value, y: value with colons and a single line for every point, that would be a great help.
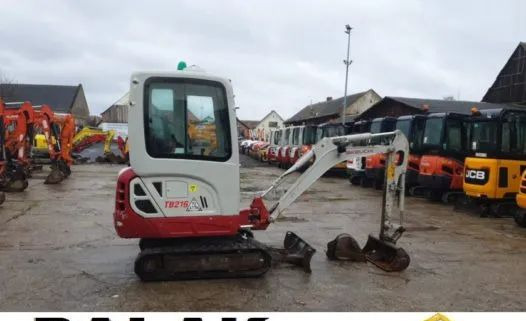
x: 18, y: 124
x: 442, y: 165
x: 58, y: 130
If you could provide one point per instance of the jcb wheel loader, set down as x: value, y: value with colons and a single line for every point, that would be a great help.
x: 183, y: 201
x: 492, y: 175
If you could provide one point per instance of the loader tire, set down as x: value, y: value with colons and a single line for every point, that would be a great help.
x: 520, y: 217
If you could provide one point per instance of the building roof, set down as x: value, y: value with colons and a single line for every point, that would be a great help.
x: 510, y: 84
x: 123, y: 101
x: 270, y: 113
x: 59, y: 98
x: 324, y: 108
x: 444, y: 106
x: 251, y: 124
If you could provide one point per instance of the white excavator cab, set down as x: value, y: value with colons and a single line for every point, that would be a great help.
x: 183, y: 145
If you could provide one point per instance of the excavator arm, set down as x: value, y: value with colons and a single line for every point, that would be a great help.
x: 330, y: 151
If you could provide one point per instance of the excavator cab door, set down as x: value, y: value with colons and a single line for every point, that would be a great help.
x: 183, y: 146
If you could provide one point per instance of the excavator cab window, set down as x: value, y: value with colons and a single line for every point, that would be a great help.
x: 187, y: 119
x: 484, y: 136
x: 276, y: 137
x: 453, y: 135
x: 513, y: 137
x: 296, y: 136
x: 433, y: 131
x: 309, y: 135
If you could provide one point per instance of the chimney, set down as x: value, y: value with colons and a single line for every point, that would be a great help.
x: 329, y: 98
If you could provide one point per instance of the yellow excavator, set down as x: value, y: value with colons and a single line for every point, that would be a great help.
x: 88, y: 136
x: 520, y: 214
x: 492, y: 175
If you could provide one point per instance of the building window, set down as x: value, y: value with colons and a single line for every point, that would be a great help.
x: 273, y: 124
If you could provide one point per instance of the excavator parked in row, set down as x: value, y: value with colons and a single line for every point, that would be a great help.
x: 89, y: 136
x: 182, y: 202
x: 445, y: 148
x: 520, y: 213
x: 492, y: 174
x: 21, y: 121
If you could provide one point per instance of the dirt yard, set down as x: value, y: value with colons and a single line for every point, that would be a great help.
x: 59, y: 251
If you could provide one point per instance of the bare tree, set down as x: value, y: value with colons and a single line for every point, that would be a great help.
x: 7, y: 86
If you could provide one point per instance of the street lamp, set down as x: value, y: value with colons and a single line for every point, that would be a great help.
x: 347, y: 63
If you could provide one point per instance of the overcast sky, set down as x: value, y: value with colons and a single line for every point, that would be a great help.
x: 279, y: 54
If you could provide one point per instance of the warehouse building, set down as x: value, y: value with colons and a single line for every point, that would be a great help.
x: 399, y: 106
x: 61, y: 99
x: 118, y: 111
x: 510, y: 85
x: 330, y: 110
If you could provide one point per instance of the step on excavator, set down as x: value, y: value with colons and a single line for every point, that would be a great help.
x: 492, y: 175
x: 182, y: 201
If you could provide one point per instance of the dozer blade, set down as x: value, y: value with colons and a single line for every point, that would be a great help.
x: 344, y: 247
x: 385, y: 255
x: 55, y: 176
x: 296, y: 251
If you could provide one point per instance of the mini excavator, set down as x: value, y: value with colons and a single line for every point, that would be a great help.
x: 182, y: 199
x: 17, y: 130
x: 58, y: 130
x: 88, y: 136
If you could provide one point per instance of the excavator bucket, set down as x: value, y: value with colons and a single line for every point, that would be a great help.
x: 55, y: 177
x: 344, y: 247
x: 296, y: 251
x: 16, y: 179
x: 385, y: 255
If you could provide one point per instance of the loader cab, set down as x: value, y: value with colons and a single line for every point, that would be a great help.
x: 444, y: 147
x: 498, y: 145
x: 183, y: 150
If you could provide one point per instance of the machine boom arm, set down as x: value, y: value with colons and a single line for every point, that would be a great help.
x: 333, y: 150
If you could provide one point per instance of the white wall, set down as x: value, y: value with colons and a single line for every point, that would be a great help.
x: 121, y: 129
x: 363, y: 103
x: 262, y: 130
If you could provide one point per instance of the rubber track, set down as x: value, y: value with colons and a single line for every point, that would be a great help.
x: 220, y: 249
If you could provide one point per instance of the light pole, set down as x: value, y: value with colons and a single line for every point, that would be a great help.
x: 347, y: 63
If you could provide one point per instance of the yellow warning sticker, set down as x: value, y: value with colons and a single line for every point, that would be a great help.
x: 390, y: 172
x: 193, y: 188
